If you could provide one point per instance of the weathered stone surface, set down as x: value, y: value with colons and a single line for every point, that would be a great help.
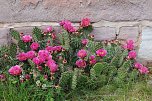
x: 56, y: 10
x: 25, y: 30
x: 4, y: 38
x: 128, y: 33
x: 105, y: 33
x: 145, y: 53
x: 3, y: 42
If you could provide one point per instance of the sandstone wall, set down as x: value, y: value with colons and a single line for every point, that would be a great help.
x: 112, y: 19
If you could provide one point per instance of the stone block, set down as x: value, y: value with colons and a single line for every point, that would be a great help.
x: 105, y: 33
x: 128, y: 33
x: 145, y: 53
x: 4, y: 36
x: 74, y: 10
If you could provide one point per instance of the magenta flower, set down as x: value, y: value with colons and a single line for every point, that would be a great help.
x: 84, y: 41
x: 80, y: 63
x: 92, y: 57
x: 85, y: 22
x: 30, y: 54
x: 49, y: 57
x: 50, y: 49
x: 52, y: 66
x: 34, y: 46
x: 82, y: 53
x: 92, y: 62
x: 15, y: 70
x: 53, y: 35
x: 39, y: 68
x: 43, y: 54
x: 130, y: 42
x: 132, y: 54
x: 2, y: 77
x: 27, y: 76
x: 129, y: 45
x: 26, y: 38
x: 45, y: 77
x: 49, y: 29
x: 138, y: 65
x: 144, y: 70
x: 37, y: 61
x: 22, y: 56
x: 57, y: 48
x: 101, y: 52
x: 67, y: 25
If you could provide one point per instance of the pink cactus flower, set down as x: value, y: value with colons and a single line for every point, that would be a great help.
x: 92, y: 57
x: 30, y: 54
x: 144, y: 70
x: 52, y: 65
x: 129, y: 45
x: 82, y: 53
x: 101, y: 52
x: 39, y: 68
x: 132, y: 55
x: 49, y: 57
x: 80, y: 63
x: 92, y: 62
x: 67, y: 25
x: 57, y: 48
x: 138, y: 65
x: 84, y: 41
x: 34, y: 46
x: 27, y: 76
x: 63, y: 22
x: 50, y: 49
x: 2, y: 77
x: 43, y: 54
x: 15, y: 70
x: 26, y: 38
x: 49, y: 29
x: 85, y: 22
x: 21, y: 80
x: 53, y: 35
x: 45, y: 77
x: 37, y: 61
x: 22, y: 56
x: 130, y: 42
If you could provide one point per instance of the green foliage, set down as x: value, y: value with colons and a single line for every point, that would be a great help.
x: 13, y: 49
x: 82, y: 81
x: 22, y: 45
x: 31, y: 63
x: 66, y: 40
x: 87, y: 30
x: 15, y: 34
x: 99, y: 68
x: 98, y: 45
x: 92, y: 74
x: 133, y: 76
x: 66, y: 80
x: 91, y: 46
x: 127, y: 65
x: 7, y: 57
x: 37, y: 34
x: 76, y: 42
x: 74, y: 78
x: 60, y: 76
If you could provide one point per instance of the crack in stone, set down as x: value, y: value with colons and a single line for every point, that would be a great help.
x: 30, y: 4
